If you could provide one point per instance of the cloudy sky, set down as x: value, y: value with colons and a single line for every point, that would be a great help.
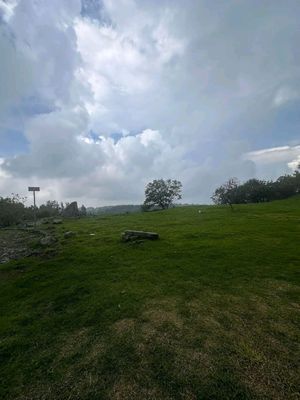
x: 98, y: 97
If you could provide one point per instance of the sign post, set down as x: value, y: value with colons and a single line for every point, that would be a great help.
x: 34, y: 189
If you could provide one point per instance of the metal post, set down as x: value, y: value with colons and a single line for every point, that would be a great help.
x: 34, y: 209
x: 34, y: 189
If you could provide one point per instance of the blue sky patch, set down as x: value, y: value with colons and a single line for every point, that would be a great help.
x: 13, y: 143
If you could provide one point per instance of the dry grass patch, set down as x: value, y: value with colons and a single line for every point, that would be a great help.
x: 124, y: 326
x: 130, y: 390
x: 73, y: 344
x: 192, y: 363
x: 163, y: 312
x: 94, y: 353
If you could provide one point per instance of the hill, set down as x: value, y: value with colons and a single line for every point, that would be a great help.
x: 209, y: 311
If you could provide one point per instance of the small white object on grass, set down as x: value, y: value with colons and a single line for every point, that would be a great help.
x: 92, y: 234
x: 199, y: 211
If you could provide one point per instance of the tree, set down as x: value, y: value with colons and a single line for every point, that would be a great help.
x: 297, y: 178
x: 227, y: 193
x: 254, y: 191
x: 285, y: 186
x: 82, y: 211
x: 162, y: 193
x: 50, y: 209
x: 12, y: 210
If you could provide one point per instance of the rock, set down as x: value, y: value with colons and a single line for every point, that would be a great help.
x: 57, y: 221
x: 134, y: 235
x: 47, y: 240
x: 71, y: 210
x: 69, y: 234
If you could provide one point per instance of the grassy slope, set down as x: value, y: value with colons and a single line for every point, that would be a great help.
x: 210, y: 311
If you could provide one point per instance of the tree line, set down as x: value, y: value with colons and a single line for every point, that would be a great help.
x: 159, y: 194
x: 14, y: 211
x: 256, y: 190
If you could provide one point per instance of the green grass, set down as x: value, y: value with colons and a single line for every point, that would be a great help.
x: 210, y: 311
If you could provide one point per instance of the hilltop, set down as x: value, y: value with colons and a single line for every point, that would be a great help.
x: 209, y: 311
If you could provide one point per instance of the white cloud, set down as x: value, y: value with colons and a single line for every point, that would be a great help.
x: 166, y: 78
x: 272, y: 162
x: 39, y: 44
x: 273, y: 155
x: 284, y: 95
x: 294, y: 164
x: 7, y: 9
x: 124, y: 68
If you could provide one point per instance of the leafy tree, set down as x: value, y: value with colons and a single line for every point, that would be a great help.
x: 297, y: 178
x: 227, y: 193
x: 162, y: 193
x: 285, y: 186
x: 50, y: 209
x: 254, y: 191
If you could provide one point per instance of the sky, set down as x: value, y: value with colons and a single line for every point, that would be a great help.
x: 100, y: 97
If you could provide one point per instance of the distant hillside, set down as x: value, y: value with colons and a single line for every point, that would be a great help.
x: 122, y: 209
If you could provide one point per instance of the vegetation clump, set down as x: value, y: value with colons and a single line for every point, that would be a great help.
x: 257, y: 191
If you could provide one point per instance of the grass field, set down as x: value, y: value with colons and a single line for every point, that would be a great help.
x: 209, y: 311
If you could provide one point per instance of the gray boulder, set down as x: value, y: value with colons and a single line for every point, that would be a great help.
x: 71, y: 210
x: 57, y: 221
x: 136, y: 235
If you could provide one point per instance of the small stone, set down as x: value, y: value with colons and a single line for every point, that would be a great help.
x: 57, y: 221
x: 47, y: 240
x: 69, y: 234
